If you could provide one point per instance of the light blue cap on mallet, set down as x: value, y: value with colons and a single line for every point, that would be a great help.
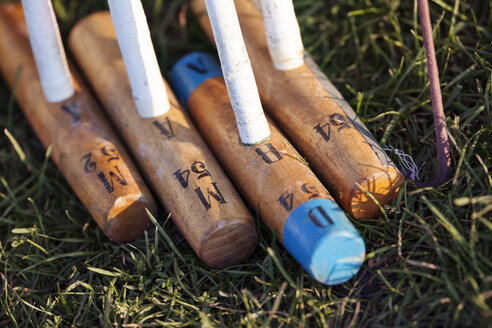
x: 317, y: 233
x: 320, y: 236
x: 191, y: 71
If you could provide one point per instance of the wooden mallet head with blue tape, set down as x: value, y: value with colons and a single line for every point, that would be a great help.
x: 273, y: 175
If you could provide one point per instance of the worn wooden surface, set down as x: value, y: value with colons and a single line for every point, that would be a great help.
x: 271, y: 174
x: 318, y: 121
x: 182, y: 170
x: 85, y: 148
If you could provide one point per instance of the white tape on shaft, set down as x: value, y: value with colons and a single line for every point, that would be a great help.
x: 238, y: 74
x: 48, y: 51
x: 132, y: 32
x: 283, y: 34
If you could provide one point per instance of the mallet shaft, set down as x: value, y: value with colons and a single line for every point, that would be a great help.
x: 282, y: 34
x: 48, y: 50
x: 138, y: 53
x: 85, y: 148
x: 176, y: 161
x: 240, y: 81
x: 321, y: 125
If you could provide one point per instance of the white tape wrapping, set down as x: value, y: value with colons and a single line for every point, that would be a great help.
x: 283, y: 34
x: 48, y: 51
x: 133, y: 34
x: 238, y: 74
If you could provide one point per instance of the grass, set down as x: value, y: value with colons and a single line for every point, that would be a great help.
x: 428, y: 264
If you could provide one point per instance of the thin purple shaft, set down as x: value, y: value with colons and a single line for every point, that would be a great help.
x: 442, y: 142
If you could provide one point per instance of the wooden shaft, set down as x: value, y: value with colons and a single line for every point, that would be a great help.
x: 85, y: 148
x: 321, y: 125
x: 272, y: 177
x: 176, y: 161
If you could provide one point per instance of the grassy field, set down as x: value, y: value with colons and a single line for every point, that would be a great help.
x: 428, y: 258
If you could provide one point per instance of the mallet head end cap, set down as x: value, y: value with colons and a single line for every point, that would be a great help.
x: 337, y: 257
x: 321, y: 237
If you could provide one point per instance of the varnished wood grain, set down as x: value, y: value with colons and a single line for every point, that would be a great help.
x: 271, y: 175
x: 182, y: 170
x: 85, y: 148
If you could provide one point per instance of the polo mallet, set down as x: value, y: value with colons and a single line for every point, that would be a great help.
x: 63, y: 114
x: 271, y: 176
x: 173, y: 156
x: 316, y: 118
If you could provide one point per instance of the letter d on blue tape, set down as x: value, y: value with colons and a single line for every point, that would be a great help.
x: 191, y: 71
x: 321, y: 237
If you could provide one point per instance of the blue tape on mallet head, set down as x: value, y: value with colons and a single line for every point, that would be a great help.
x: 320, y: 236
x: 191, y: 71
